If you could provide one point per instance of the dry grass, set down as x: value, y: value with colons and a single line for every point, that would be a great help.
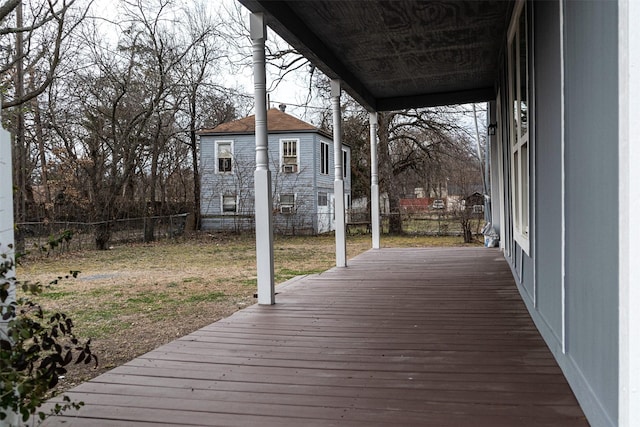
x: 137, y: 297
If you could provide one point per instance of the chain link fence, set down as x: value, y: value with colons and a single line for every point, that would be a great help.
x: 72, y: 236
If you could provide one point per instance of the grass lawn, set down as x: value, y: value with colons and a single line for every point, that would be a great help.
x: 134, y: 298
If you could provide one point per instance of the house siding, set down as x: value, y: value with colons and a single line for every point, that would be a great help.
x: 591, y: 89
x: 304, y: 184
x: 586, y: 314
x: 548, y: 185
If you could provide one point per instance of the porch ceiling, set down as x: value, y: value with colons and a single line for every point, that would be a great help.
x: 397, y: 54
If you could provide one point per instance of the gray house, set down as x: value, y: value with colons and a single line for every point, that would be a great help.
x: 301, y: 158
x: 562, y: 81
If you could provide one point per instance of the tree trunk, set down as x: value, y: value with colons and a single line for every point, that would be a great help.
x: 193, y: 146
x: 103, y: 236
x: 388, y: 180
x: 20, y: 161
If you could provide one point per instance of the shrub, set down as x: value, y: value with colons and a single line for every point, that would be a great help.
x: 35, y: 348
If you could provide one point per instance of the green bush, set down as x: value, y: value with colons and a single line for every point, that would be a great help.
x: 35, y: 348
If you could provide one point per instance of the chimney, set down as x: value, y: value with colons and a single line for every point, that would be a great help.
x: 282, y: 107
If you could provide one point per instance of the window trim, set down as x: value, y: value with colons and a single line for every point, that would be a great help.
x: 217, y: 157
x: 222, y: 211
x: 519, y: 140
x: 325, y: 196
x: 345, y: 162
x: 324, y: 158
x: 293, y: 205
x: 297, y: 156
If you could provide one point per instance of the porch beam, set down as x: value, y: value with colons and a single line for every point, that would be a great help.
x: 484, y: 94
x: 338, y: 183
x: 262, y: 176
x: 629, y: 206
x: 375, y: 191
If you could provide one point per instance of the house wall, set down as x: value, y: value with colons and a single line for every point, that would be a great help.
x: 570, y: 280
x: 591, y: 130
x: 305, y: 184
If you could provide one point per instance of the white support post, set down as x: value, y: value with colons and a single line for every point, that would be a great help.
x: 263, y: 202
x: 338, y: 183
x: 629, y: 217
x: 375, y: 191
x: 7, y: 238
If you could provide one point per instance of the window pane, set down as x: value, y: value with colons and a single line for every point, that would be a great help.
x: 228, y: 203
x: 516, y: 189
x: 514, y: 89
x: 224, y: 150
x: 224, y: 165
x: 323, y: 200
x: 523, y: 73
x: 287, y: 199
x: 524, y: 192
x: 345, y: 164
x: 324, y: 158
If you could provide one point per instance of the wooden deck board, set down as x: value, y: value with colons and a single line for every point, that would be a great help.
x: 424, y: 337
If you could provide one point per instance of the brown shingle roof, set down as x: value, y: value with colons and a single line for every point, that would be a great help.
x: 277, y: 121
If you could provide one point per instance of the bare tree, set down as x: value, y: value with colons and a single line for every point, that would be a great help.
x: 32, y: 45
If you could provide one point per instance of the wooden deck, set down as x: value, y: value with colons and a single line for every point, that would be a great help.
x: 402, y: 337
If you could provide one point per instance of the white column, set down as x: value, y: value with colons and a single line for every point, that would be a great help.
x: 338, y: 183
x: 6, y: 213
x: 375, y: 191
x: 6, y: 235
x: 263, y: 203
x: 629, y: 211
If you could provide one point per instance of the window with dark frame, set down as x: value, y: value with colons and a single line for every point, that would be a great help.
x: 324, y: 158
x: 224, y: 155
x: 345, y: 163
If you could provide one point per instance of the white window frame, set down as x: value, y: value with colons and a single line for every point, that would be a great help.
x: 324, y: 158
x: 222, y: 199
x: 285, y: 153
x: 287, y: 205
x: 217, y: 156
x: 519, y: 130
x: 345, y: 162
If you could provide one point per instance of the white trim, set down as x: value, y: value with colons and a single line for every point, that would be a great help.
x: 520, y: 207
x: 325, y: 167
x: 338, y: 183
x: 297, y: 142
x: 346, y: 157
x: 563, y: 188
x: 217, y: 143
x: 375, y: 191
x: 262, y: 175
x: 501, y: 190
x: 222, y: 211
x: 629, y: 208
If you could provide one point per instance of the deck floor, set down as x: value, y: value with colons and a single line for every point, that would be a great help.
x: 402, y: 337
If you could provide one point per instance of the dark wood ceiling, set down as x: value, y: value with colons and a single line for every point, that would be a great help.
x: 398, y: 53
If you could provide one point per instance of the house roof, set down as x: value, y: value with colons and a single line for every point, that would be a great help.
x: 398, y: 54
x: 277, y: 121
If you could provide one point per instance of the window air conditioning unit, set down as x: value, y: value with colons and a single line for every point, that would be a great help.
x: 286, y: 209
x: 289, y: 168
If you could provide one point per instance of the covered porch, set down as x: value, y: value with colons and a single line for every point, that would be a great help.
x: 420, y: 336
